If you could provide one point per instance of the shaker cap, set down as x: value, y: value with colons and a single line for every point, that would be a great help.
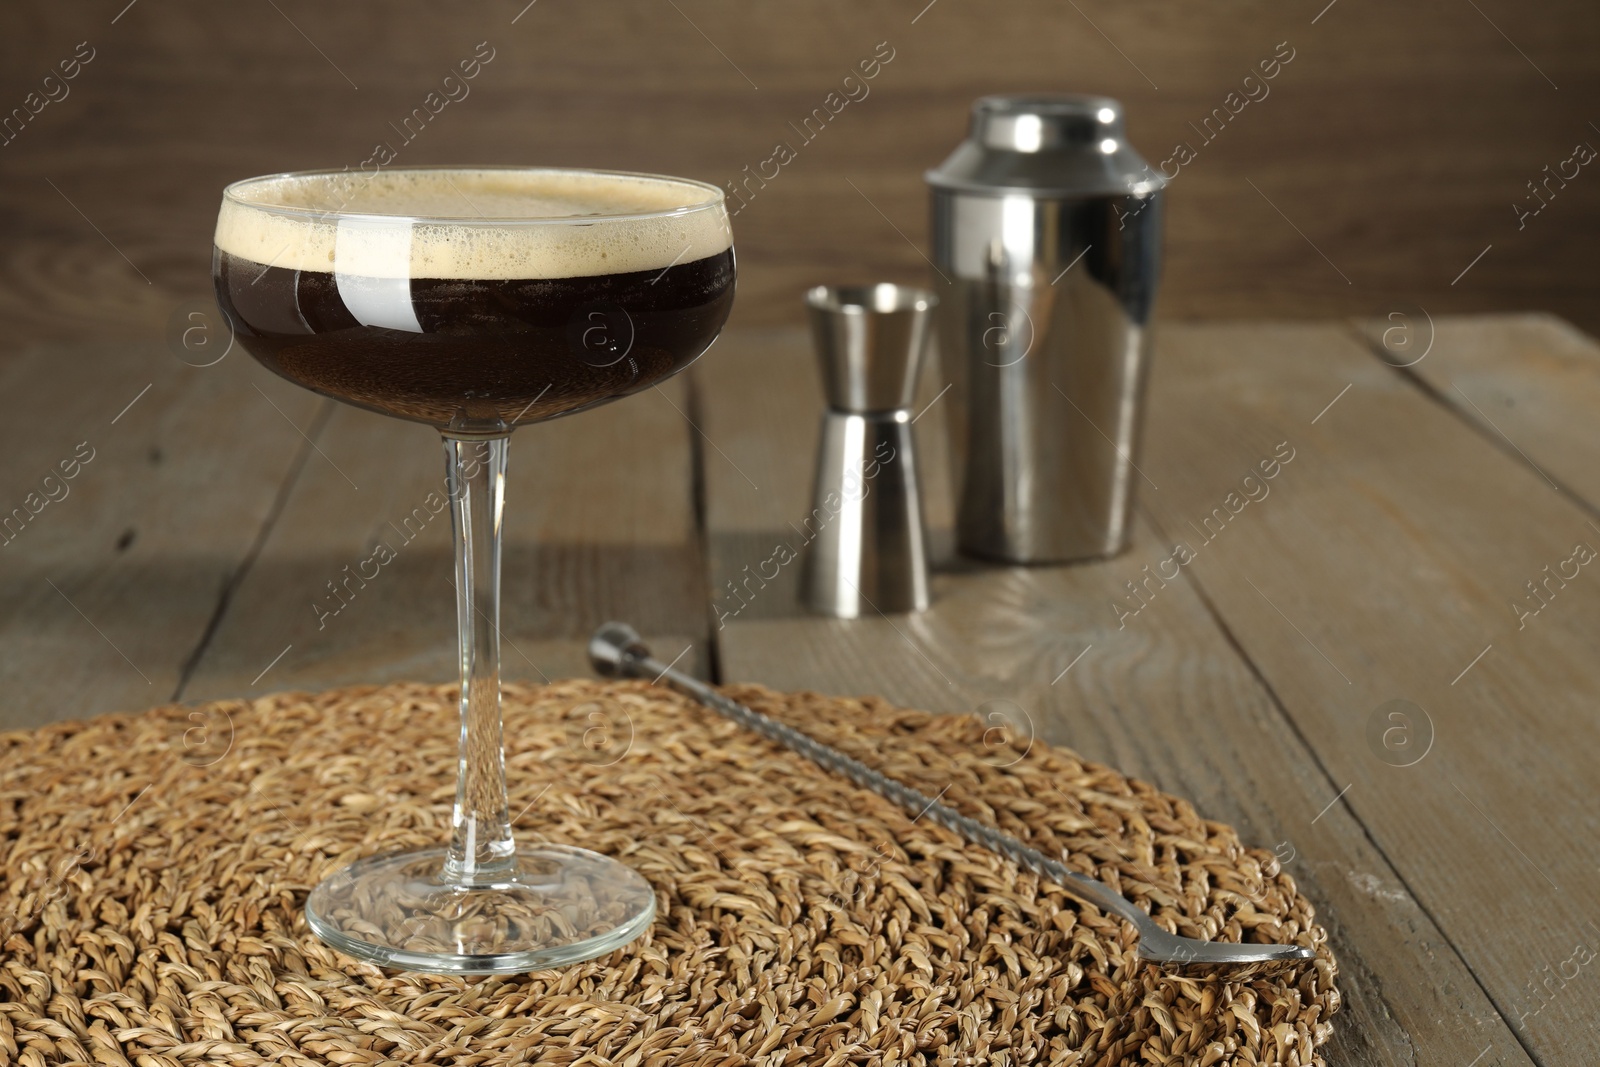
x: 1051, y: 144
x: 869, y: 341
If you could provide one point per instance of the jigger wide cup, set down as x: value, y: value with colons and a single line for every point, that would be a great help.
x: 866, y: 550
x: 1047, y: 233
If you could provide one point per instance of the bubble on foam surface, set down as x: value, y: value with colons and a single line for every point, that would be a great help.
x: 603, y: 223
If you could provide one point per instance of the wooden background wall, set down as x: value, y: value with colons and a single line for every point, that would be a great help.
x: 1397, y: 140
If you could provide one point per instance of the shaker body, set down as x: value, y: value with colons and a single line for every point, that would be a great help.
x: 1044, y: 334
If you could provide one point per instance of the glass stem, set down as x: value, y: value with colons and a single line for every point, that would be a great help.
x: 481, y: 847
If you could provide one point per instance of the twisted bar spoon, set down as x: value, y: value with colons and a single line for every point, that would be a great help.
x: 616, y: 651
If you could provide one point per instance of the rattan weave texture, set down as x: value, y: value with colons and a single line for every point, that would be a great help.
x: 156, y: 865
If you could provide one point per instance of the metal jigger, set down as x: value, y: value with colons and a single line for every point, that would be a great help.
x: 866, y: 546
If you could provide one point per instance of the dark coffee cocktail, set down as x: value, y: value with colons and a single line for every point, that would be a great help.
x: 493, y: 323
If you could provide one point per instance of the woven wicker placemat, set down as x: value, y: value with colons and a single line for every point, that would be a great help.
x: 156, y: 866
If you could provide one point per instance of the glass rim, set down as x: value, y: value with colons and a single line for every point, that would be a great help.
x: 717, y: 200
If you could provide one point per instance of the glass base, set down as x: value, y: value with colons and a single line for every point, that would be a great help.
x: 559, y: 905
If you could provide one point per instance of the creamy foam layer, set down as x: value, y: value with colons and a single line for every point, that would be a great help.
x: 596, y: 223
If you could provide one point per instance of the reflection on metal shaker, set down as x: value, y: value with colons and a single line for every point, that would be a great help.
x: 1047, y: 235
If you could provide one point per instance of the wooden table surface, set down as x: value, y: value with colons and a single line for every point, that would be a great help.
x: 1389, y: 560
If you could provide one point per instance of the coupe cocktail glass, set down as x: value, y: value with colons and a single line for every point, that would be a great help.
x: 476, y: 300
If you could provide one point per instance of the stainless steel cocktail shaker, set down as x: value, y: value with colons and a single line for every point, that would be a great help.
x: 1047, y: 234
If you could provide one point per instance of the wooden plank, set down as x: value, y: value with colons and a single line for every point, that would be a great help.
x: 1386, y: 565
x: 1530, y: 382
x: 631, y: 86
x: 599, y: 524
x: 110, y: 587
x: 1167, y: 698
